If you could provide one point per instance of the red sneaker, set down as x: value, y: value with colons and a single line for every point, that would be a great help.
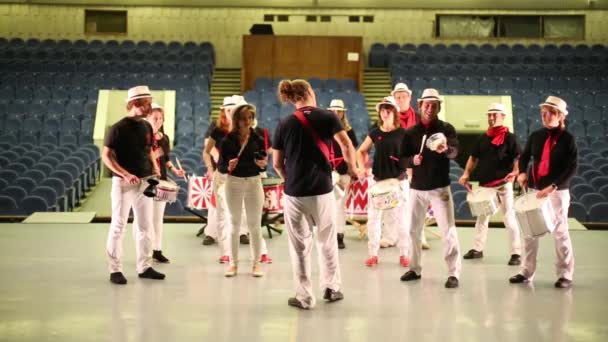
x: 404, y: 261
x: 224, y: 259
x: 265, y: 259
x: 372, y: 261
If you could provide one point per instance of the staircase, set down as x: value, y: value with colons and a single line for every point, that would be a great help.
x: 226, y: 82
x: 376, y: 85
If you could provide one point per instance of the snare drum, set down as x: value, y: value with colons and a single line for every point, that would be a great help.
x: 435, y: 140
x: 483, y: 201
x: 386, y: 194
x: 166, y: 191
x: 534, y: 215
x: 274, y: 195
x: 200, y: 193
x: 356, y: 199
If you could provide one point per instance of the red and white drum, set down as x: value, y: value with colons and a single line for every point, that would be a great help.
x: 273, y: 195
x: 166, y: 191
x: 356, y: 198
x: 200, y: 193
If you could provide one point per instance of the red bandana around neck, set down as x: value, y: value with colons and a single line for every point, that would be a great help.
x: 497, y: 134
x: 407, y: 119
x: 545, y: 157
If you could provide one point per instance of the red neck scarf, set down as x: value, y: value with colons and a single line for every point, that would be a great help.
x: 545, y: 157
x: 497, y: 134
x: 407, y: 119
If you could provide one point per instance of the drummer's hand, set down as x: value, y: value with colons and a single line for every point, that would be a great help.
x: 522, y: 179
x: 443, y: 147
x: 210, y: 174
x: 178, y: 172
x: 232, y: 164
x: 156, y: 170
x: 131, y: 179
x: 464, y: 180
x: 510, y: 177
x: 261, y: 163
x: 545, y: 192
x: 418, y: 159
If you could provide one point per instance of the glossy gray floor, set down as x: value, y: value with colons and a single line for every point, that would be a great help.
x: 55, y: 288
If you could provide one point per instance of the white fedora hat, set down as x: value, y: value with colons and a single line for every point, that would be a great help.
x: 430, y: 94
x: 401, y: 87
x: 138, y: 92
x: 557, y: 103
x: 496, y: 108
x: 231, y: 101
x: 389, y: 101
x: 242, y: 104
x: 157, y: 106
x: 336, y: 104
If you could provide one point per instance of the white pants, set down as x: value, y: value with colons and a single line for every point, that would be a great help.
x: 340, y: 192
x: 158, y: 213
x: 443, y: 210
x: 506, y: 200
x: 560, y: 201
x: 301, y: 215
x: 124, y: 197
x: 391, y: 223
x: 245, y: 191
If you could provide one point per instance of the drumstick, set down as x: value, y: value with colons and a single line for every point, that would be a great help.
x: 179, y: 165
x: 422, y: 144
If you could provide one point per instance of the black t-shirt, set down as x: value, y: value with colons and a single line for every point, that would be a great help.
x: 162, y: 148
x: 217, y: 134
x: 563, y: 161
x: 434, y: 171
x: 131, y: 140
x: 229, y: 149
x: 342, y: 166
x: 308, y: 172
x: 494, y: 162
x: 387, y: 153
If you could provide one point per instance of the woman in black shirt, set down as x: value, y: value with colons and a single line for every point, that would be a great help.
x: 242, y: 156
x: 555, y: 154
x: 387, y: 139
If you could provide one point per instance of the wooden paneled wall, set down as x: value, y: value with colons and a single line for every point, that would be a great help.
x: 300, y: 56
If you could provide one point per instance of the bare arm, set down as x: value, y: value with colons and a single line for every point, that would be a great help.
x: 471, y: 165
x: 348, y: 152
x: 278, y: 163
x: 209, y: 145
x: 363, y: 151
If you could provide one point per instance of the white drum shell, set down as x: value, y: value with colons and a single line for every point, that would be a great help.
x: 535, y: 216
x: 166, y: 191
x: 483, y: 202
x: 386, y: 194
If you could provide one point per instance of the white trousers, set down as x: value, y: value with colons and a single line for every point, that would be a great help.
x: 390, y: 223
x: 340, y: 192
x: 124, y: 197
x: 158, y: 213
x: 443, y: 211
x: 245, y: 191
x: 301, y: 215
x: 564, y: 265
x: 506, y: 200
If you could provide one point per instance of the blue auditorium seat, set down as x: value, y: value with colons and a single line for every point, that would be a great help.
x: 15, y: 192
x: 599, y: 212
x: 578, y: 211
x: 8, y: 206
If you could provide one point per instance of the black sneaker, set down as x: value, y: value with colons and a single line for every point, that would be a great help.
x: 451, y: 283
x: 518, y: 279
x: 341, y: 244
x: 158, y: 256
x: 293, y: 301
x: 473, y: 254
x: 515, y: 260
x: 561, y: 283
x: 118, y: 278
x: 150, y: 273
x: 244, y: 239
x: 332, y: 296
x: 208, y: 240
x: 410, y: 275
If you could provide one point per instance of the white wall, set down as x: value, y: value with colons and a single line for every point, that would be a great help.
x: 224, y: 27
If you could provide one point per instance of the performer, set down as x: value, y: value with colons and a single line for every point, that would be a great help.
x: 556, y: 152
x: 431, y: 184
x: 495, y: 157
x: 337, y: 106
x: 301, y: 158
x: 242, y: 155
x: 387, y: 139
x: 161, y: 150
x: 217, y: 215
x: 127, y: 152
x: 407, y: 118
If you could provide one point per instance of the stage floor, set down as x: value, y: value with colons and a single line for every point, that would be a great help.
x: 55, y: 288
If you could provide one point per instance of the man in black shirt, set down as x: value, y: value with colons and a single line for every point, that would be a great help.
x: 430, y: 162
x: 301, y: 158
x: 128, y: 154
x: 495, y: 158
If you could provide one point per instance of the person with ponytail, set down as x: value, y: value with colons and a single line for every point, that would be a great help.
x: 301, y: 156
x: 554, y: 152
x: 494, y: 156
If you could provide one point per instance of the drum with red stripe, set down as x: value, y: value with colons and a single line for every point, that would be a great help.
x: 200, y: 193
x: 273, y: 195
x: 356, y: 200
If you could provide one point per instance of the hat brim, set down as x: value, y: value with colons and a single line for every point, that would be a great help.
x: 337, y: 108
x: 430, y: 99
x: 401, y: 91
x: 144, y: 96
x: 564, y: 111
x: 385, y: 104
x: 496, y: 111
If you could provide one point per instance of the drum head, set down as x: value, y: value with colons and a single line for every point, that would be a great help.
x: 481, y: 195
x: 384, y: 186
x: 529, y: 202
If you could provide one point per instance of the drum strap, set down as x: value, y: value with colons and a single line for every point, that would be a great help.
x: 328, y: 152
